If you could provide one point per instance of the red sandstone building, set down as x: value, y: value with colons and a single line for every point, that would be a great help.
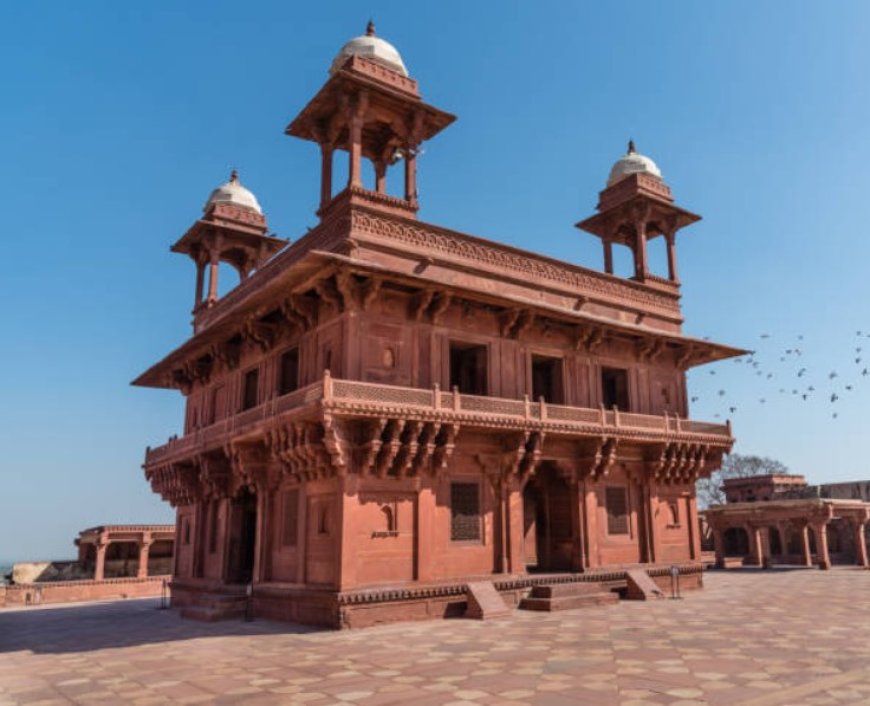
x: 779, y: 519
x: 385, y: 410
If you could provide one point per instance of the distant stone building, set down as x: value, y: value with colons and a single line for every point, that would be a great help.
x: 780, y: 519
x: 385, y: 409
x: 113, y: 561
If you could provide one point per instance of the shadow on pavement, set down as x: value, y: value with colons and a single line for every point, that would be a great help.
x: 95, y: 626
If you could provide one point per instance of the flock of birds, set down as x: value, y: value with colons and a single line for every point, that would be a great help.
x: 783, y: 372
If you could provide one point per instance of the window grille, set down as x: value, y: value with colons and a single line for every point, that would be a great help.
x: 464, y: 511
x: 616, y: 502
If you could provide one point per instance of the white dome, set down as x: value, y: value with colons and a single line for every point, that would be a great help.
x: 632, y: 163
x: 233, y: 193
x: 372, y: 48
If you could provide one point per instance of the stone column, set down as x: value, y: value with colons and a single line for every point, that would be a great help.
x: 756, y: 550
x: 860, y: 544
x: 694, y: 527
x: 302, y: 534
x: 261, y: 538
x: 144, y: 550
x: 578, y: 555
x: 608, y: 256
x: 821, y: 531
x: 325, y: 174
x: 641, y: 260
x: 380, y: 176
x: 671, y: 239
x: 355, y: 128
x: 765, y: 548
x: 719, y: 546
x: 411, y: 173
x: 807, y: 555
x: 515, y: 526
x: 200, y: 281
x: 214, y: 264
x: 591, y: 516
x: 100, y: 566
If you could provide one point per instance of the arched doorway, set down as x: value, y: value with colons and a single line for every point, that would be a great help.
x: 736, y: 542
x: 242, y: 537
x: 547, y: 525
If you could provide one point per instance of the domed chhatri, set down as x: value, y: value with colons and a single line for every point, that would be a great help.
x: 232, y: 192
x: 372, y: 48
x: 632, y: 163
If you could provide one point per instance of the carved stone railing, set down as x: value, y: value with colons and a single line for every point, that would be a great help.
x: 351, y: 398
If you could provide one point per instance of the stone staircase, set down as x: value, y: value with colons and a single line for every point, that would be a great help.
x: 212, y: 607
x: 568, y: 596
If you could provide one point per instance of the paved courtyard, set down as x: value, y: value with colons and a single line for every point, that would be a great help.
x: 751, y: 637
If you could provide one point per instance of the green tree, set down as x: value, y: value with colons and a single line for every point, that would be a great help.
x: 735, y: 466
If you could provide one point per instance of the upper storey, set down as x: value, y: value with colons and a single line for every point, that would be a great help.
x: 371, y: 108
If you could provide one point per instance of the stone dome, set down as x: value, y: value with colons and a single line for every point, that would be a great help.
x: 233, y: 193
x: 372, y: 48
x: 632, y: 163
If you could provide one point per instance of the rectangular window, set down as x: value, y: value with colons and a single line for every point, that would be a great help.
x: 614, y: 388
x: 249, y: 389
x: 464, y: 511
x: 288, y: 372
x: 290, y: 524
x: 468, y: 368
x: 547, y: 379
x: 616, y: 503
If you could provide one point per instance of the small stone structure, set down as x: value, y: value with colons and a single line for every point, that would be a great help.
x: 779, y: 519
x: 115, y: 561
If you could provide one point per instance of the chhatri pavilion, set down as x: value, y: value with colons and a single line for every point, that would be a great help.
x: 385, y: 412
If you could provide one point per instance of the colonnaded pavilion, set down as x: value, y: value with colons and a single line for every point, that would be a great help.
x: 385, y: 412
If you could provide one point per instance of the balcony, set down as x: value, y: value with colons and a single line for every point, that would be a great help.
x: 362, y: 400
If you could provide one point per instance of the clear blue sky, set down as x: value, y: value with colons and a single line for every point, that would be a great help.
x: 117, y: 119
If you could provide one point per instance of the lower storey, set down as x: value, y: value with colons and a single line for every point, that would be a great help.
x: 364, y: 608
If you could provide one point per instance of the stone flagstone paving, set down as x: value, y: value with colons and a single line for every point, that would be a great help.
x: 751, y: 637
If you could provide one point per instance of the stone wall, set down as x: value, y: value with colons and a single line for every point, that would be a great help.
x: 72, y: 591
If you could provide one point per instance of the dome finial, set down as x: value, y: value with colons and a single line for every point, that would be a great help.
x: 234, y: 175
x: 631, y: 149
x: 370, y: 29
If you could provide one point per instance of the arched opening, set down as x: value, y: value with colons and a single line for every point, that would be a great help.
x: 122, y: 560
x: 548, y: 530
x: 623, y: 261
x: 776, y: 542
x: 736, y: 542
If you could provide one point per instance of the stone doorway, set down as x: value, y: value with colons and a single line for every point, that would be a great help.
x: 242, y: 537
x: 548, y: 530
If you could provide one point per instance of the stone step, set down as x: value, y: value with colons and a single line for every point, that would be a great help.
x: 485, y: 602
x: 569, y: 602
x: 559, y: 590
x: 641, y: 586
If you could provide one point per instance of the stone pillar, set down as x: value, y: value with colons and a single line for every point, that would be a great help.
x: 860, y: 544
x: 411, y: 173
x: 261, y: 536
x: 756, y: 550
x: 719, y: 546
x: 608, y: 256
x: 591, y: 517
x: 355, y: 171
x: 515, y: 525
x: 641, y: 260
x: 765, y: 548
x: 380, y: 176
x: 578, y: 554
x: 214, y: 263
x: 302, y: 534
x: 325, y: 174
x: 671, y: 239
x: 144, y: 550
x: 821, y: 532
x: 200, y: 281
x: 694, y: 527
x: 807, y: 555
x: 100, y: 566
x: 426, y: 509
